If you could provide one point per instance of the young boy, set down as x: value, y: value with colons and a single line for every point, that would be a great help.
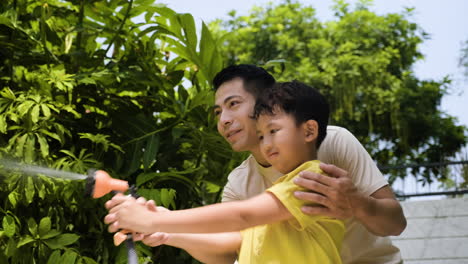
x: 291, y: 123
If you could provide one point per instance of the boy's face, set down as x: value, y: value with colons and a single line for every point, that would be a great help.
x: 283, y: 144
x: 233, y: 108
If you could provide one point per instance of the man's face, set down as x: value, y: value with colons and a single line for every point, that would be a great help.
x: 282, y: 143
x: 233, y: 108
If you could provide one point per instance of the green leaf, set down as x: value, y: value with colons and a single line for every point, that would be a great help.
x: 35, y: 113
x: 151, y: 150
x: 9, y: 226
x: 43, y: 145
x: 32, y: 226
x: 55, y: 257
x: 52, y: 233
x: 44, y: 226
x: 29, y: 191
x: 167, y: 197
x: 11, y: 247
x: 13, y: 197
x: 45, y: 110
x: 25, y: 240
x: 69, y: 257
x: 61, y: 241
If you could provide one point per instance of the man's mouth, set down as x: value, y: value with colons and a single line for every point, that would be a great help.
x: 232, y: 133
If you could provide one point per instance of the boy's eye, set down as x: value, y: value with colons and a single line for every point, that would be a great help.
x: 273, y: 131
x: 260, y: 138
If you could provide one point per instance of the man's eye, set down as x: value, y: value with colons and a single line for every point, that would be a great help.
x: 217, y: 113
x: 233, y: 103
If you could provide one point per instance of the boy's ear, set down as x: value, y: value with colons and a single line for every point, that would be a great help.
x: 311, y: 130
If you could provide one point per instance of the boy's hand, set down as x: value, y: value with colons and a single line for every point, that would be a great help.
x: 335, y: 195
x: 157, y: 238
x: 126, y: 213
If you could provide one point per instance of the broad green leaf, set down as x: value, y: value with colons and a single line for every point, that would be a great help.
x: 25, y: 240
x: 35, y: 113
x: 11, y: 247
x: 9, y: 226
x: 52, y: 233
x: 61, y: 241
x: 32, y: 227
x: 69, y: 257
x: 167, y: 197
x: 44, y: 146
x: 13, y: 197
x: 188, y: 27
x: 55, y: 257
x: 44, y: 226
x: 45, y: 110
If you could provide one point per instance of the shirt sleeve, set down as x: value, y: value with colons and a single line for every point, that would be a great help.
x: 350, y: 155
x: 229, y: 194
x: 284, y: 191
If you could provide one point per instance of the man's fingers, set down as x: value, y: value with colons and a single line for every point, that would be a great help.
x: 316, y: 210
x: 314, y: 183
x: 155, y: 239
x: 333, y: 170
x: 316, y: 177
x: 313, y: 197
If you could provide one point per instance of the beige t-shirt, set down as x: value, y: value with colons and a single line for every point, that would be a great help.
x: 342, y: 149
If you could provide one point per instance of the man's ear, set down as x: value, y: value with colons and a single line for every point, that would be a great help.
x: 310, y: 130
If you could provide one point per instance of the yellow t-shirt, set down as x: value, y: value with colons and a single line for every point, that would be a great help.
x: 303, y: 239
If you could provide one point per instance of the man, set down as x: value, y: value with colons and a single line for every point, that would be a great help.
x: 356, y: 192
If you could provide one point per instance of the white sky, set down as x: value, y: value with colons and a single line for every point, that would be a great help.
x: 445, y: 21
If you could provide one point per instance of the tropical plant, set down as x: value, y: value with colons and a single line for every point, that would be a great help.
x: 117, y: 85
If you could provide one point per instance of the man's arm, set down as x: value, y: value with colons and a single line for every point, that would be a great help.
x: 125, y: 213
x: 338, y: 197
x: 219, y: 248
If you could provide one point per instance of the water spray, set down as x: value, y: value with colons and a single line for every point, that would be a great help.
x: 98, y: 184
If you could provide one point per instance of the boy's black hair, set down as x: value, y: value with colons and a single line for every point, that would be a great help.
x: 297, y: 99
x: 256, y: 79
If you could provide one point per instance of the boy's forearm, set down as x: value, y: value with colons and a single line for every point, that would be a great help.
x: 226, y: 217
x: 208, y: 248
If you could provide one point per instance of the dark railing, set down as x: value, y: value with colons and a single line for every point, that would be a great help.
x: 411, y: 186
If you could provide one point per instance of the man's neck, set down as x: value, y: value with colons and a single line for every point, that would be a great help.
x: 259, y: 157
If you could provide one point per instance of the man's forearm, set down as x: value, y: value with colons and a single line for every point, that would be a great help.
x: 208, y: 248
x: 381, y: 216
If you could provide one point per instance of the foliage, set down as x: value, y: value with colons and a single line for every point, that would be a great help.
x: 363, y: 63
x: 117, y: 85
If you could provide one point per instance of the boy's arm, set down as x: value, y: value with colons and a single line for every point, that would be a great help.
x: 126, y: 213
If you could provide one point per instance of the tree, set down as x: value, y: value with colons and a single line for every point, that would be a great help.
x: 85, y: 85
x: 363, y: 63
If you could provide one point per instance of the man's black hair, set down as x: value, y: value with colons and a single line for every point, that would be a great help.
x: 297, y: 99
x: 256, y: 79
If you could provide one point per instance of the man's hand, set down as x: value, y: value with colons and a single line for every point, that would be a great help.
x: 334, y: 195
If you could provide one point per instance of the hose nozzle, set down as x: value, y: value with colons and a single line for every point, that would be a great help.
x: 99, y: 183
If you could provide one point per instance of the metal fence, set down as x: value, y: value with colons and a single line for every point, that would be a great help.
x: 416, y: 188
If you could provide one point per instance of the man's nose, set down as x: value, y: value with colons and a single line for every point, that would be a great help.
x: 225, y: 119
